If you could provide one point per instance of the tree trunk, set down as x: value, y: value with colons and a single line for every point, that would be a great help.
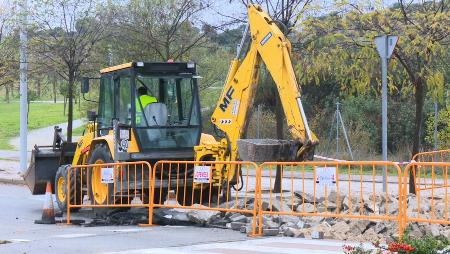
x: 54, y: 89
x: 419, y: 100
x: 64, y: 105
x: 279, y: 116
x: 70, y: 111
x: 38, y: 84
x: 7, y: 93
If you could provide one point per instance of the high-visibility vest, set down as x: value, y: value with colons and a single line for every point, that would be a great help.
x: 145, y: 100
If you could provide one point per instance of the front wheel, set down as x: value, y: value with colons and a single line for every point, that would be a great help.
x: 76, y: 196
x: 100, y: 193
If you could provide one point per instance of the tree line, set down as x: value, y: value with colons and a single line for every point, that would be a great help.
x: 333, y: 52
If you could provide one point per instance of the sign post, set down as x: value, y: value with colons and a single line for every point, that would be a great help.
x: 385, y: 46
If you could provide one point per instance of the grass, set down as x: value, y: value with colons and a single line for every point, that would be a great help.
x: 78, y: 131
x: 41, y: 115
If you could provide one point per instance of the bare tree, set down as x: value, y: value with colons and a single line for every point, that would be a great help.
x: 161, y: 29
x: 65, y: 33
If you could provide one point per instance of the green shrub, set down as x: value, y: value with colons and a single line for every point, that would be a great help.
x: 427, y: 244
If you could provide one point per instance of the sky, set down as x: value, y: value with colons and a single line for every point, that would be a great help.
x: 219, y: 10
x: 222, y: 11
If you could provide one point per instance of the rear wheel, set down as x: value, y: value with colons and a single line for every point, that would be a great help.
x: 76, y: 196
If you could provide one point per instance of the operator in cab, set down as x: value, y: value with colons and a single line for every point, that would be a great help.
x: 144, y: 100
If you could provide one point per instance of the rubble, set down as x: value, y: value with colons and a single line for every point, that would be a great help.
x: 201, y: 216
x: 270, y: 232
x: 317, y: 235
x: 317, y: 226
x: 237, y: 225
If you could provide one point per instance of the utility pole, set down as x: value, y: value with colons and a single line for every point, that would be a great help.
x: 23, y: 88
x: 385, y: 46
x: 345, y: 132
x: 338, y: 117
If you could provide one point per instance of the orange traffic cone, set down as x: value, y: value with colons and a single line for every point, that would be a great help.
x: 48, y: 213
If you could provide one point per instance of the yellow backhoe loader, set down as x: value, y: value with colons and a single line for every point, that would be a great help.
x: 150, y: 111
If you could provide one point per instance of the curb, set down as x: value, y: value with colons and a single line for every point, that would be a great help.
x: 12, y: 181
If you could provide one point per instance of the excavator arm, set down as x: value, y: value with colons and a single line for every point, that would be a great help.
x: 269, y: 46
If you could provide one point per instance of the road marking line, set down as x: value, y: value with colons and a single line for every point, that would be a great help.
x: 128, y: 230
x: 19, y: 240
x: 73, y: 235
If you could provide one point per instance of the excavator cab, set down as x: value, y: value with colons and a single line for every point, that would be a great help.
x: 154, y: 106
x: 159, y: 101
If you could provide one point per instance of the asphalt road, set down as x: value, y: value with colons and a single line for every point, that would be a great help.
x: 19, y: 209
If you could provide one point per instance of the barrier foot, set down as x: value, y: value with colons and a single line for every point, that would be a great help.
x: 147, y: 225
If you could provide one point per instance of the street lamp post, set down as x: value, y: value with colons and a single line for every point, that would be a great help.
x: 23, y: 88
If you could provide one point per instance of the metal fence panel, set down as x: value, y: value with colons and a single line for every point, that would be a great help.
x: 110, y: 185
x: 430, y: 204
x: 208, y: 185
x: 350, y: 190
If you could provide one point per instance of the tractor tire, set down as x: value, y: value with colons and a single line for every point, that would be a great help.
x: 61, y: 188
x: 100, y: 193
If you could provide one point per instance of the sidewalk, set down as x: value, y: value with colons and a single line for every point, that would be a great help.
x: 42, y: 136
x: 9, y: 160
x: 282, y: 245
x: 10, y: 173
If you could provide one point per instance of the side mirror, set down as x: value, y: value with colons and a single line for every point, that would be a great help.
x: 84, y: 85
x: 91, y: 115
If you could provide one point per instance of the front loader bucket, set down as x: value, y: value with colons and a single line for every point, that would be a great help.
x: 43, y: 166
x: 45, y: 161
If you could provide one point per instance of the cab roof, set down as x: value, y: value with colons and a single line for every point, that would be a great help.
x: 158, y: 67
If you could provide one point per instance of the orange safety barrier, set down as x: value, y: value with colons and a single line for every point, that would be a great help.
x: 433, y: 156
x: 432, y: 186
x: 110, y: 185
x: 352, y: 190
x: 208, y: 185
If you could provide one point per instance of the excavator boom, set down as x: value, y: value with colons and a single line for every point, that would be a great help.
x: 270, y: 46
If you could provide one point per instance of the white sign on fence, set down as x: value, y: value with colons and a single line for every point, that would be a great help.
x: 326, y: 176
x: 107, y: 175
x: 202, y: 174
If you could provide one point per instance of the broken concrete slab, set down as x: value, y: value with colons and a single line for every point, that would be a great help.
x: 291, y: 232
x: 237, y: 217
x: 270, y: 231
x: 202, y: 216
x: 237, y: 225
x: 304, y: 197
